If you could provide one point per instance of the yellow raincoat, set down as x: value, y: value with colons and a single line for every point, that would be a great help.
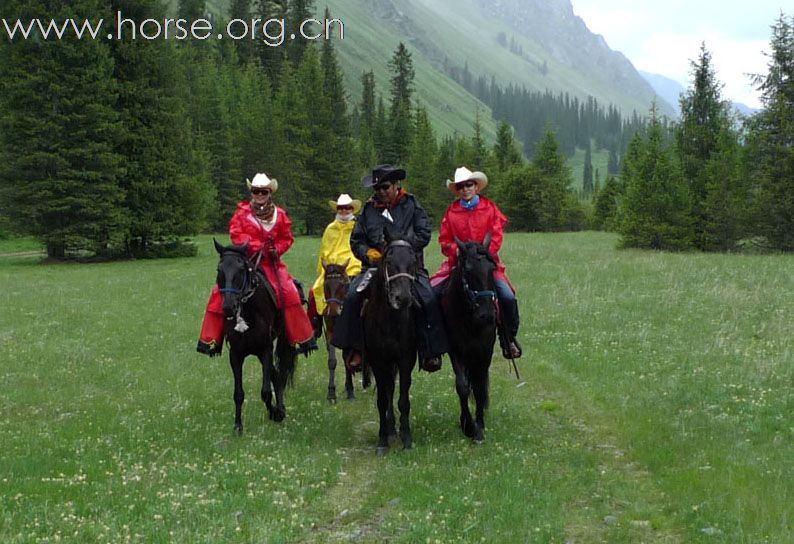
x: 334, y: 249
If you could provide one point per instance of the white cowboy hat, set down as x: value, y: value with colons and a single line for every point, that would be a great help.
x: 464, y: 174
x: 345, y: 200
x: 262, y: 181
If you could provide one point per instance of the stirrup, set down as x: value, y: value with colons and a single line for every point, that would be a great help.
x: 512, y: 350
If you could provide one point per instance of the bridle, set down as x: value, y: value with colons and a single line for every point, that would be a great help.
x: 250, y: 283
x: 397, y: 243
x: 474, y: 295
x: 343, y: 280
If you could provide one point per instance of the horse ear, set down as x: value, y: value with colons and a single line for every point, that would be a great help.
x: 218, y: 247
x: 344, y: 264
x: 325, y: 265
x: 487, y: 240
x: 461, y: 245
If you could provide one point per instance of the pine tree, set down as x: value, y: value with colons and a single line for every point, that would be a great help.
x: 705, y: 124
x: 246, y: 51
x: 655, y: 210
x: 59, y: 180
x: 421, y: 166
x: 613, y: 168
x: 293, y: 135
x: 587, y: 174
x: 381, y: 135
x: 401, y: 116
x: 164, y: 163
x: 505, y: 150
x: 480, y: 152
x: 191, y: 9
x: 271, y: 56
x: 607, y: 203
x: 253, y: 122
x: 771, y: 157
x: 298, y: 11
x: 552, y: 192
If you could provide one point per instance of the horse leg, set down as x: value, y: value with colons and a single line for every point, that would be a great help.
x: 331, y: 367
x: 280, y: 382
x: 267, y: 382
x: 366, y: 374
x: 463, y: 387
x: 480, y: 387
x: 405, y: 403
x: 385, y: 383
x: 349, y: 388
x: 236, y: 362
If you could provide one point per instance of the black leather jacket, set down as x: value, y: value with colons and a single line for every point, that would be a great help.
x: 410, y: 221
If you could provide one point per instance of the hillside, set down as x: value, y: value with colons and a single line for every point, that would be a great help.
x: 538, y: 44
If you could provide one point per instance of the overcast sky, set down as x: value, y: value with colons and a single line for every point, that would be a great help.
x: 662, y: 37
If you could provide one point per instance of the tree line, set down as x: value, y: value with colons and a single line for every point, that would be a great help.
x: 120, y: 148
x: 712, y: 182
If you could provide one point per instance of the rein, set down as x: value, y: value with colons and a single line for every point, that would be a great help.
x: 344, y: 280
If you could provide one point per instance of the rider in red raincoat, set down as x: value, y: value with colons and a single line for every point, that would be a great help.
x: 263, y: 225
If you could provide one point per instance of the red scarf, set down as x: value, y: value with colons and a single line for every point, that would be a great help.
x: 381, y: 205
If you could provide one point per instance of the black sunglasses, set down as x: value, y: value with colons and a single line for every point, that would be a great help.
x: 382, y: 186
x: 256, y: 191
x: 464, y: 184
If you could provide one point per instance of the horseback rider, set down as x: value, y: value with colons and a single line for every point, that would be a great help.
x: 334, y: 249
x: 262, y: 225
x: 391, y: 206
x: 469, y: 219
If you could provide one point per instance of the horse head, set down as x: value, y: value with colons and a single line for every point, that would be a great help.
x: 335, y: 287
x: 236, y: 277
x: 399, y: 267
x: 476, y: 267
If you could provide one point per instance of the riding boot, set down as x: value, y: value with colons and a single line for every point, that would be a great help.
x: 431, y: 335
x: 211, y: 336
x: 299, y: 329
x: 508, y: 328
x: 349, y: 329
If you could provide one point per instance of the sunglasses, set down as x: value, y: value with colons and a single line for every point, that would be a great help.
x: 344, y: 207
x: 256, y: 191
x: 382, y: 186
x: 464, y: 184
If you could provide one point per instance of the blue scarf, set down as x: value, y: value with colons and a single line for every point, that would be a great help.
x: 471, y: 204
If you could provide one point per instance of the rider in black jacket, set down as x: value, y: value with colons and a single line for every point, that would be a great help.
x: 391, y: 205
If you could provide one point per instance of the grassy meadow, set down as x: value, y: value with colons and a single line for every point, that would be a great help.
x: 655, y: 405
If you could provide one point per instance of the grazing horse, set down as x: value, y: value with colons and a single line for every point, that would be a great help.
x: 252, y: 325
x: 390, y: 343
x: 468, y: 303
x: 335, y: 285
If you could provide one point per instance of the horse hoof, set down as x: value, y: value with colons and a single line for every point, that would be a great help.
x: 408, y: 444
x: 238, y: 430
x: 279, y: 414
x: 382, y: 450
x: 351, y: 396
x: 478, y: 441
x: 331, y: 400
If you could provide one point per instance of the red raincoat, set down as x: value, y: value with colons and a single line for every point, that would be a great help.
x: 470, y: 226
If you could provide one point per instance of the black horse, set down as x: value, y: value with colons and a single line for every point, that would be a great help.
x: 253, y: 323
x: 390, y: 344
x: 468, y: 304
x: 335, y: 285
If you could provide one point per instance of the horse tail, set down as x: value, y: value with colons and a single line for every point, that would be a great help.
x: 286, y: 358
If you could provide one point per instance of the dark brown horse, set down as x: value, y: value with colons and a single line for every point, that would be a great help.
x: 335, y: 285
x: 469, y: 306
x: 253, y: 324
x: 390, y: 344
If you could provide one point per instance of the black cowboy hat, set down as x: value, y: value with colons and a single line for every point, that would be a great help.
x: 382, y: 173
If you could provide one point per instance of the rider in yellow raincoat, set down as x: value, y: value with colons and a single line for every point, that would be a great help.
x: 334, y: 249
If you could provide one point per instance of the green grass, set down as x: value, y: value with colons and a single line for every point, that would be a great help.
x: 656, y: 394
